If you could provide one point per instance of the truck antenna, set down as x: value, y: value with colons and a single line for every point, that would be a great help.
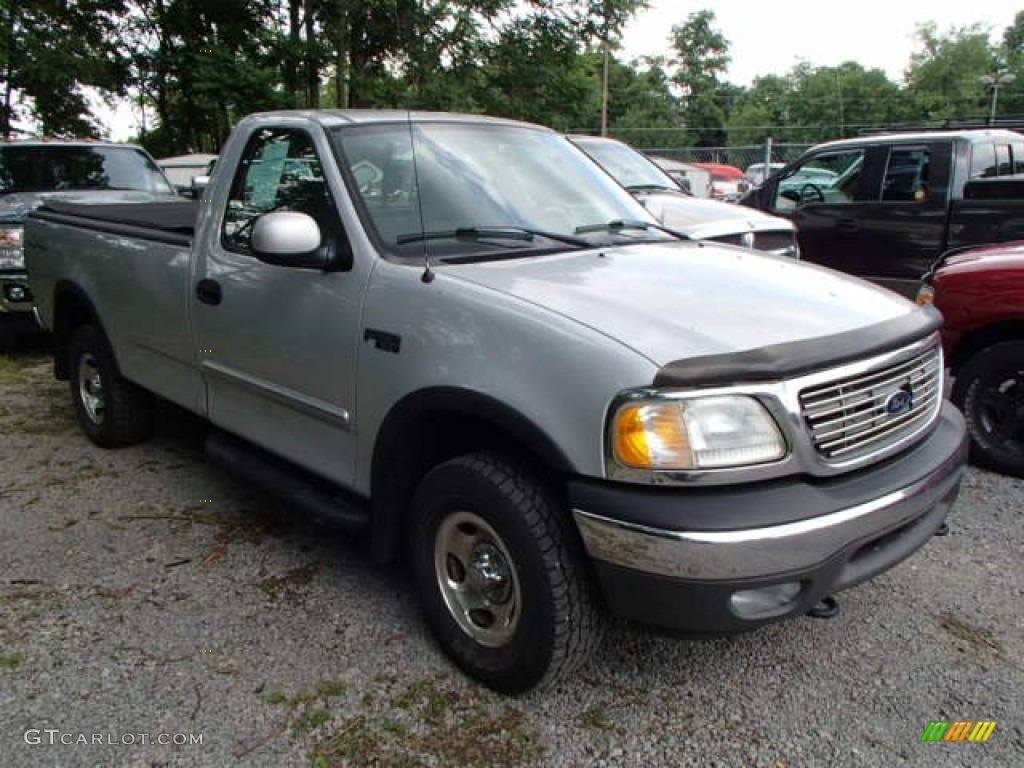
x: 428, y: 273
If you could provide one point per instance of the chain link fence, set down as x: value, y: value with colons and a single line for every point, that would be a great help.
x: 741, y: 157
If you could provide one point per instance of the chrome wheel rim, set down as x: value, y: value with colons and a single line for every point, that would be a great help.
x: 90, y: 388
x: 477, y: 579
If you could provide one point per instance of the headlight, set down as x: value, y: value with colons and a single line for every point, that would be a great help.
x: 698, y: 433
x: 12, y: 254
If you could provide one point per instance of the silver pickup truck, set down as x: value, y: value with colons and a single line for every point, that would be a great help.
x: 461, y: 337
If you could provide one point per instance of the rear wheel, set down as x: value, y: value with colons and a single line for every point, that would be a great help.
x: 501, y: 574
x: 990, y: 391
x: 113, y: 411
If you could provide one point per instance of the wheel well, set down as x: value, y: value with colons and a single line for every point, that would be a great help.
x: 411, y: 445
x: 71, y: 311
x: 980, y: 338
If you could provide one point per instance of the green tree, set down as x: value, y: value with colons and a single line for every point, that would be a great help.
x: 1011, y: 97
x: 201, y: 65
x: 762, y: 112
x: 835, y: 102
x: 52, y: 52
x: 943, y: 79
x: 701, y: 58
x: 643, y: 110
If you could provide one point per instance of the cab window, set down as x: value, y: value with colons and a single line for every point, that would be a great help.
x: 1017, y: 156
x: 280, y: 170
x: 832, y: 178
x: 906, y: 175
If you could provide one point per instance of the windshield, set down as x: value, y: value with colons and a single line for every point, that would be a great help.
x: 476, y: 188
x: 35, y: 168
x: 627, y: 166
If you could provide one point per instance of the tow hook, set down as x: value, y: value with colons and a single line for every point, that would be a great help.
x: 942, y: 530
x: 827, y: 608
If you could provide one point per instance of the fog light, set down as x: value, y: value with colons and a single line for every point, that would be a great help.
x: 17, y: 292
x: 765, y: 601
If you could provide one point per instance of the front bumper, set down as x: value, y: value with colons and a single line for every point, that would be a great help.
x: 677, y: 557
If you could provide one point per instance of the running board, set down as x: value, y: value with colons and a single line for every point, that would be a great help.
x: 292, y: 485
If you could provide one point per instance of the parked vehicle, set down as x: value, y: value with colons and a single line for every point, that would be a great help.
x: 980, y: 291
x: 696, y: 181
x: 757, y: 173
x: 885, y: 207
x: 182, y: 169
x: 727, y: 181
x: 461, y: 336
x: 32, y: 169
x: 697, y: 219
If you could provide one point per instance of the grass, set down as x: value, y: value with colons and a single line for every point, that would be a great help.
x: 428, y: 724
x: 291, y: 581
x: 10, y: 660
x: 424, y: 723
x: 595, y: 718
x: 979, y: 637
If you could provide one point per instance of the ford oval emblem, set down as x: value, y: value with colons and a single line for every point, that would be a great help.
x: 899, y: 402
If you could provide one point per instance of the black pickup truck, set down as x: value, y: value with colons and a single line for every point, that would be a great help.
x: 885, y: 207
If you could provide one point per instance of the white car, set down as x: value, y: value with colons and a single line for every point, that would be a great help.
x: 698, y: 219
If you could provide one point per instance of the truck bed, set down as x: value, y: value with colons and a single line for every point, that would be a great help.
x: 171, y: 222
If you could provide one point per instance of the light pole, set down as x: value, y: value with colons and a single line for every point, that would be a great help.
x: 995, y: 82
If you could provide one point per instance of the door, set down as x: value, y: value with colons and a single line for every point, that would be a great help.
x: 278, y: 344
x: 903, y: 231
x: 824, y: 196
x: 877, y: 212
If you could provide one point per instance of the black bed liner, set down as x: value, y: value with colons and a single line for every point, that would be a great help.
x: 171, y: 222
x: 177, y: 216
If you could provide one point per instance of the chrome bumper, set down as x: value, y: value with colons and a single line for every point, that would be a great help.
x: 795, y: 547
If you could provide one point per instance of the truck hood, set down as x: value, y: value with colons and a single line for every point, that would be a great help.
x: 670, y: 301
x: 18, y: 205
x: 701, y: 218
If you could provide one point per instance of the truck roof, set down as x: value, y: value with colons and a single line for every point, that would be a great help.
x: 971, y: 136
x: 334, y: 117
x: 45, y: 142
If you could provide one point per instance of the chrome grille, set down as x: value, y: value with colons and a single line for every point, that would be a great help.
x: 864, y: 414
x: 761, y: 241
x: 774, y: 241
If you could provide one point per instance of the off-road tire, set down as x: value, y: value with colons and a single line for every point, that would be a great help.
x: 989, y: 390
x: 557, y: 620
x: 124, y: 415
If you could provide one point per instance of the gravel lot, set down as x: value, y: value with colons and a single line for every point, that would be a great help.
x: 143, y: 592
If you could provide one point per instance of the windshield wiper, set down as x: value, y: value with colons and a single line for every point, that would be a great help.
x: 650, y: 188
x: 485, y: 233
x: 617, y: 225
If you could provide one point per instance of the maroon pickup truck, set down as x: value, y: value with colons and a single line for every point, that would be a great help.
x: 980, y: 291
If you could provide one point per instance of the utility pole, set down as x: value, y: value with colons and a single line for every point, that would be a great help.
x: 839, y: 92
x: 995, y: 82
x: 604, y: 87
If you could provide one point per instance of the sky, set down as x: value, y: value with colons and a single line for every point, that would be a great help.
x: 770, y: 36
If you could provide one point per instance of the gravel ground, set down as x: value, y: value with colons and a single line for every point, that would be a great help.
x: 146, y: 596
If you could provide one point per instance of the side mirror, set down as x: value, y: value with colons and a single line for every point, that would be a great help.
x: 289, y: 239
x: 199, y: 185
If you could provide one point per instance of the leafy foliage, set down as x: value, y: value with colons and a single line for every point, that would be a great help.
x: 192, y: 68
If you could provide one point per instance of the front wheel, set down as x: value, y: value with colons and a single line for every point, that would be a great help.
x: 112, y: 411
x: 501, y: 574
x: 990, y: 391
